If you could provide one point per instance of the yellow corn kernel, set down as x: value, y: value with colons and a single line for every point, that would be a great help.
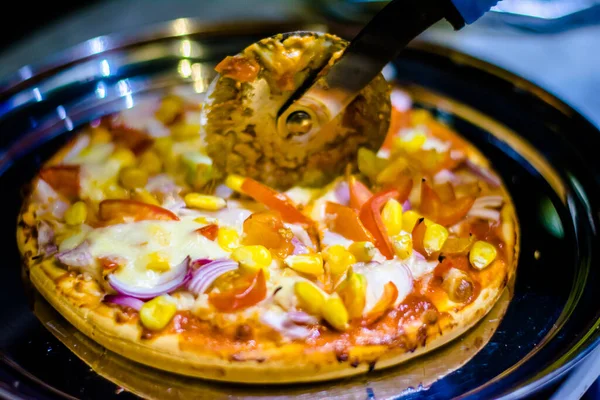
x: 392, y: 217
x: 234, y: 182
x: 132, y: 177
x: 335, y: 313
x: 158, y: 312
x: 362, y: 251
x: 310, y: 264
x: 368, y: 163
x: 434, y: 238
x: 252, y: 258
x: 76, y: 214
x: 403, y: 245
x: 150, y: 162
x: 163, y: 145
x: 100, y: 135
x: 202, y: 220
x: 144, y: 196
x: 185, y: 131
x: 310, y: 298
x: 409, y: 220
x: 228, y: 238
x: 124, y: 157
x: 170, y: 106
x: 392, y: 171
x: 420, y: 116
x: 353, y: 291
x: 338, y: 259
x: 482, y: 254
x: 410, y: 143
x: 204, y: 202
x: 28, y: 217
x: 157, y: 263
x: 116, y: 192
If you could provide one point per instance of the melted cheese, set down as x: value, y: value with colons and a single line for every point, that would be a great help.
x: 173, y: 241
x: 378, y: 275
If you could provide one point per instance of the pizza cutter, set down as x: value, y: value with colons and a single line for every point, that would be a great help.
x: 295, y: 108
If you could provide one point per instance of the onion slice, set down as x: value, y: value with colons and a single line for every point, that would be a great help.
x: 179, y: 280
x: 204, y: 276
x: 299, y: 247
x: 483, y: 173
x: 78, y: 257
x: 282, y: 323
x: 302, y: 318
x: 126, y: 301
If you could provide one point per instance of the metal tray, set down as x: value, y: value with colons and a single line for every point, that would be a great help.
x: 543, y: 149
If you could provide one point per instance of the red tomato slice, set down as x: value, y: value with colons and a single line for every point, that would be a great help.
x: 63, y: 178
x: 345, y: 221
x: 387, y: 300
x: 209, y: 231
x: 359, y: 193
x: 448, y: 213
x: 275, y: 201
x: 238, y: 299
x: 119, y: 211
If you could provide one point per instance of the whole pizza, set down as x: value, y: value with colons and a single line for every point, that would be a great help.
x: 141, y: 238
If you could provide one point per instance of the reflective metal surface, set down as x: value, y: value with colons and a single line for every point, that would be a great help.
x: 544, y: 150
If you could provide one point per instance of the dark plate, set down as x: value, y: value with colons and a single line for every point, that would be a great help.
x: 544, y: 150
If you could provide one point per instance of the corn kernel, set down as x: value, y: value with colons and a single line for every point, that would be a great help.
x: 310, y: 298
x: 184, y: 131
x: 204, y: 202
x: 252, y: 258
x: 228, y: 238
x: 392, y: 171
x: 368, y: 163
x: 100, y: 135
x: 116, y: 192
x: 150, y: 162
x: 28, y: 217
x: 132, y: 177
x: 157, y: 263
x: 163, y: 145
x: 338, y: 259
x: 362, y: 251
x: 392, y: 217
x: 403, y: 245
x: 158, y: 312
x: 169, y: 108
x: 482, y: 254
x: 411, y: 143
x: 335, y: 313
x: 76, y: 214
x: 409, y: 220
x: 234, y: 182
x: 201, y: 220
x: 144, y: 196
x: 310, y: 264
x: 124, y: 157
x: 420, y: 117
x: 434, y: 238
x: 352, y: 291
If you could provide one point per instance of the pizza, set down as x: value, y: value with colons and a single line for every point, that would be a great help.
x: 137, y: 237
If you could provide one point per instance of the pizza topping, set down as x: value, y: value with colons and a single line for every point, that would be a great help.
x: 486, y: 207
x: 387, y: 300
x: 403, y: 245
x: 120, y: 211
x: 352, y: 291
x: 359, y: 193
x: 445, y: 213
x: 237, y: 299
x: 63, y: 178
x: 377, y: 275
x: 392, y: 217
x: 48, y: 200
x: 308, y: 264
x: 267, y: 229
x: 362, y: 251
x: 76, y: 214
x: 125, y: 301
x: 310, y: 298
x: 204, y: 202
x: 482, y: 254
x: 284, y: 324
x: 209, y: 231
x: 302, y: 318
x: 204, y: 276
x: 335, y: 313
x: 253, y: 258
x: 458, y: 285
x: 346, y: 222
x: 156, y: 314
x: 79, y: 257
x: 337, y: 260
x: 228, y: 238
x: 45, y: 238
x: 484, y: 173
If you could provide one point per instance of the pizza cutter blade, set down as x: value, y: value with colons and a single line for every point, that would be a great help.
x: 295, y: 108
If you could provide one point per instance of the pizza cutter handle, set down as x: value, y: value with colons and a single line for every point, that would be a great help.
x: 378, y: 43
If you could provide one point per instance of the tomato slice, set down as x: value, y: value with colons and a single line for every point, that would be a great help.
x: 63, y: 178
x: 387, y: 300
x: 448, y: 213
x: 266, y: 228
x: 370, y: 215
x: 115, y: 211
x: 275, y: 201
x: 359, y: 193
x: 345, y: 221
x: 418, y: 234
x: 209, y: 231
x: 245, y: 297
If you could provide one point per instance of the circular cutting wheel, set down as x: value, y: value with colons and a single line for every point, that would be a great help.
x: 241, y: 113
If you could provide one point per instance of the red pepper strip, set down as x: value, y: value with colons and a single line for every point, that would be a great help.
x: 398, y: 121
x: 275, y: 201
x: 111, y: 262
x: 345, y: 221
x: 446, y: 214
x: 418, y: 234
x: 359, y: 193
x: 370, y: 215
x: 209, y: 231
x: 241, y: 298
x: 387, y: 300
x: 119, y: 211
x: 63, y: 178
